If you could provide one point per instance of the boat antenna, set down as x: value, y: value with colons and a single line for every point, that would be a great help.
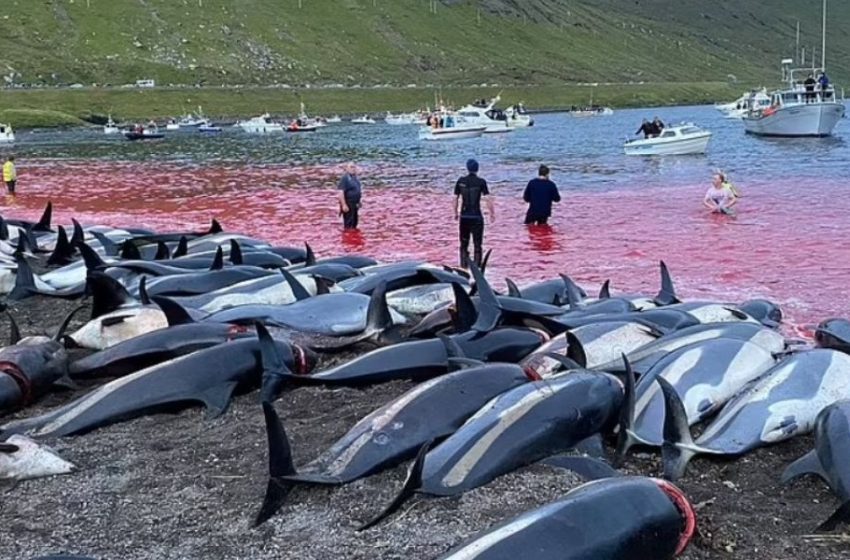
x: 823, y: 40
x: 797, y: 48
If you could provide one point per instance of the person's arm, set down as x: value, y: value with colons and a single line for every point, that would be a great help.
x: 709, y: 202
x: 343, y: 205
x: 556, y: 196
x: 456, y: 204
x: 526, y: 195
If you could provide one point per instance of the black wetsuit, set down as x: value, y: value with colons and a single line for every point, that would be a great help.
x: 471, y: 188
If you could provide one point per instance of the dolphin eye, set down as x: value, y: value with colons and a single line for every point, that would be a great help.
x: 381, y: 438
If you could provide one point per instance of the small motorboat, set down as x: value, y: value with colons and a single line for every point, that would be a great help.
x: 365, y: 119
x: 7, y: 135
x: 300, y: 126
x: 454, y: 128
x: 334, y: 119
x: 110, y: 127
x: 260, y: 125
x: 151, y: 132
x: 401, y: 118
x: 518, y: 116
x: 682, y: 139
x: 172, y: 125
x: 209, y: 128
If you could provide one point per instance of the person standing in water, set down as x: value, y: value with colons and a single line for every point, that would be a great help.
x: 349, y: 196
x: 540, y: 193
x: 467, y: 209
x: 721, y: 195
x: 10, y: 174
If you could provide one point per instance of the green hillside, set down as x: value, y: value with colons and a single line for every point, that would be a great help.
x: 401, y: 42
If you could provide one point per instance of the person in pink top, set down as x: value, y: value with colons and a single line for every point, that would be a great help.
x: 721, y: 196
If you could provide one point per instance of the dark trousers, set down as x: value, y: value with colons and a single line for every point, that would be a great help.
x: 471, y: 228
x: 11, y: 186
x: 350, y: 219
x: 535, y: 219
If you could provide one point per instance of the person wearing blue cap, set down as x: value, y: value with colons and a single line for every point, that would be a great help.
x: 467, y: 209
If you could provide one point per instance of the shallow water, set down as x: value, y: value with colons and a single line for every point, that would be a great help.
x: 620, y: 214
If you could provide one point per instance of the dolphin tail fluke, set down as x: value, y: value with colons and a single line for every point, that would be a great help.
x: 162, y: 252
x: 465, y: 313
x: 235, y: 253
x: 109, y: 246
x: 63, y: 252
x: 298, y: 290
x: 489, y: 312
x: 182, y: 248
x: 280, y: 465
x: 679, y: 447
x: 513, y: 289
x: 807, y: 464
x: 667, y: 294
x: 625, y: 436
x: 107, y: 294
x: 130, y: 251
x: 24, y: 281
x: 175, y: 313
x: 46, y: 217
x: 411, y: 485
x: 837, y: 519
x: 218, y: 260
x: 90, y: 257
x: 605, y: 290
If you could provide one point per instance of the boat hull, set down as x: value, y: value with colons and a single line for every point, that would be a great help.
x: 141, y: 136
x: 451, y: 134
x: 815, y: 119
x: 695, y: 144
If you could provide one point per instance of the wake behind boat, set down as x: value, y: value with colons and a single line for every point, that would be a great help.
x: 682, y: 139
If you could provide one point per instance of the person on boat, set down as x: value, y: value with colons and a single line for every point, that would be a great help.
x: 823, y: 81
x: 540, y: 193
x: 466, y: 209
x: 647, y: 129
x: 10, y: 174
x: 721, y: 195
x: 810, y: 88
x: 657, y: 125
x: 349, y: 196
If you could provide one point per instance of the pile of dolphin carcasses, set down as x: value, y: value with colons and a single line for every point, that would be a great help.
x: 499, y: 381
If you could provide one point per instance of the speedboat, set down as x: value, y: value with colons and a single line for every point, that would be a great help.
x: 518, y: 117
x: 172, y: 125
x: 110, y: 127
x: 363, y: 120
x: 7, y: 135
x: 260, y: 125
x: 151, y: 132
x: 209, y: 128
x: 309, y: 123
x: 484, y: 113
x: 299, y: 126
x: 682, y: 139
x: 795, y: 111
x: 591, y: 111
x: 738, y: 109
x: 333, y: 119
x: 454, y: 128
x: 401, y: 119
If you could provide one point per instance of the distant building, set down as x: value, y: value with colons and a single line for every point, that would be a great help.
x: 145, y: 83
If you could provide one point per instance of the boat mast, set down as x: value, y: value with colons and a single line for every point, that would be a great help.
x: 823, y: 40
x: 797, y: 49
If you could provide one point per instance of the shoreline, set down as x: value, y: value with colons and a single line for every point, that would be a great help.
x: 56, y: 108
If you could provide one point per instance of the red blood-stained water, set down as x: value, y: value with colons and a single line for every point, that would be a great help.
x: 788, y: 242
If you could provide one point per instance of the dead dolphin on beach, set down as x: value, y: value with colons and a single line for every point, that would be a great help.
x: 22, y: 459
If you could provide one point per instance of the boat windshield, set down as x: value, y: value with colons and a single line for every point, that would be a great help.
x: 668, y: 134
x: 691, y: 130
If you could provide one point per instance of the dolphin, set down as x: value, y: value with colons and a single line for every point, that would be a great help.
x: 195, y: 283
x: 401, y: 278
x: 389, y: 435
x: 518, y: 427
x: 705, y: 374
x: 710, y: 312
x: 783, y: 403
x: 209, y: 376
x: 22, y: 459
x: 835, y: 334
x: 597, y: 344
x: 626, y: 518
x: 830, y: 459
x: 552, y: 291
x: 765, y: 311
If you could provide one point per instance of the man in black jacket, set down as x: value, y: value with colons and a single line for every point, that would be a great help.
x: 467, y: 208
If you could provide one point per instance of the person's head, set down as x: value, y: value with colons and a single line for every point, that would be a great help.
x: 718, y: 179
x: 543, y: 171
x: 351, y: 168
x: 11, y: 157
x: 656, y: 119
x: 645, y: 121
x: 472, y: 165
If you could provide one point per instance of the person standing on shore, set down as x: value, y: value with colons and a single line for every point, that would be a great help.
x: 350, y: 193
x: 467, y: 209
x: 540, y: 193
x: 10, y: 174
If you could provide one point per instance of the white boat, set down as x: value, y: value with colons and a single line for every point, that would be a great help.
x: 305, y: 122
x: 209, y: 128
x: 401, y: 119
x: 592, y: 111
x: 678, y: 140
x: 363, y: 120
x: 260, y: 125
x: 518, y: 117
x: 299, y: 126
x: 484, y: 113
x: 172, y: 125
x: 454, y: 128
x: 738, y: 109
x: 333, y: 119
x: 110, y: 127
x: 7, y: 135
x: 193, y: 121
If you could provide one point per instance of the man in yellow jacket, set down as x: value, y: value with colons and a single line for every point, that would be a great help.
x: 10, y: 175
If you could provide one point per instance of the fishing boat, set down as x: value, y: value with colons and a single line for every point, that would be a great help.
x: 454, y: 128
x: 365, y: 119
x: 150, y: 132
x: 300, y: 126
x: 172, y: 125
x: 682, y: 139
x: 110, y: 127
x: 591, y: 110
x: 484, y: 113
x: 518, y: 117
x: 260, y: 125
x: 7, y: 135
x: 801, y: 108
x: 307, y: 122
x: 738, y: 109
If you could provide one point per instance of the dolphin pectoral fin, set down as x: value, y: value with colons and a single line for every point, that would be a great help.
x: 589, y: 468
x: 116, y: 320
x: 678, y: 448
x: 14, y: 330
x: 840, y: 517
x: 280, y: 465
x: 411, y: 485
x: 592, y: 447
x: 218, y: 398
x: 807, y: 464
x: 625, y: 437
